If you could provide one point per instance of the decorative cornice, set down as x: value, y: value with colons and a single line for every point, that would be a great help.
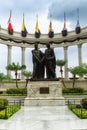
x: 58, y: 40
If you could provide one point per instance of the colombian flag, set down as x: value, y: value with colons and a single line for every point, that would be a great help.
x: 23, y: 29
x: 10, y: 28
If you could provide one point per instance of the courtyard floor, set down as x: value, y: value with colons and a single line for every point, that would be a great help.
x: 44, y: 118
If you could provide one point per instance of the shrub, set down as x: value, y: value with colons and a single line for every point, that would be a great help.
x: 3, y: 103
x: 72, y: 90
x: 84, y: 103
x: 16, y: 91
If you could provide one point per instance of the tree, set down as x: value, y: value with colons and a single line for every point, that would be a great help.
x: 4, y: 77
x: 15, y: 67
x: 28, y: 75
x: 61, y: 63
x: 80, y: 70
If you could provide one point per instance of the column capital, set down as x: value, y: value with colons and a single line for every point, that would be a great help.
x: 65, y: 47
x: 79, y: 45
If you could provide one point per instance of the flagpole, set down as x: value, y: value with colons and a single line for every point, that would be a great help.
x: 77, y: 16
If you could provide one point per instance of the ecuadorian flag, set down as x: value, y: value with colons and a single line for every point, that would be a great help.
x: 50, y: 30
x: 37, y: 31
x: 50, y: 25
x: 23, y: 29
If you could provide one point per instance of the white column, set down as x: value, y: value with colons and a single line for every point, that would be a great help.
x: 79, y: 54
x: 22, y: 59
x: 66, y: 59
x: 23, y: 56
x: 9, y: 58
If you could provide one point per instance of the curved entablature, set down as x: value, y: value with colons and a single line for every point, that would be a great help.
x: 30, y: 39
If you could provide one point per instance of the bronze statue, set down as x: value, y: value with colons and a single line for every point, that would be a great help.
x: 38, y: 63
x: 50, y: 62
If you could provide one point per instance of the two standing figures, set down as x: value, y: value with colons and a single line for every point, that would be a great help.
x: 43, y: 60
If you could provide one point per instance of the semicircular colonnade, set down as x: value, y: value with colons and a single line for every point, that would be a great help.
x: 56, y: 42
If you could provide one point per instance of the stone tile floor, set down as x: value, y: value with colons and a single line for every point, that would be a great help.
x: 44, y: 118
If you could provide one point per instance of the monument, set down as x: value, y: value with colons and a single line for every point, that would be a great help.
x: 43, y: 91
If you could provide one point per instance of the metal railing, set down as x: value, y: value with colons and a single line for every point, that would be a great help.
x: 16, y: 102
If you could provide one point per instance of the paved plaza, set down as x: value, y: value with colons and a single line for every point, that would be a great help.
x: 44, y: 118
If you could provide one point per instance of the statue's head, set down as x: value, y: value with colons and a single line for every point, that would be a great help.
x: 36, y: 46
x: 48, y: 45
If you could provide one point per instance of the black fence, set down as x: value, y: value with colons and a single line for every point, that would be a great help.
x: 72, y: 101
x: 17, y: 102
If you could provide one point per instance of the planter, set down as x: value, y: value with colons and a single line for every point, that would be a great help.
x: 64, y: 32
x: 78, y: 29
x: 71, y: 78
x: 37, y: 35
x: 23, y: 34
x: 11, y: 33
x: 51, y: 34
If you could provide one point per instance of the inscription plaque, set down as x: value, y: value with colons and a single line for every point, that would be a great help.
x: 44, y: 90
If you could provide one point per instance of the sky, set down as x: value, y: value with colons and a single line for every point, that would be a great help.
x: 42, y: 8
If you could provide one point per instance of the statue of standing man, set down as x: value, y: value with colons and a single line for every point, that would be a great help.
x: 50, y: 62
x: 38, y: 63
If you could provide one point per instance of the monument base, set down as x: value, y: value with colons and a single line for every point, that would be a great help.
x: 44, y: 93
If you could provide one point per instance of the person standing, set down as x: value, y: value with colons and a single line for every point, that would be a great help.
x: 50, y: 62
x: 38, y: 63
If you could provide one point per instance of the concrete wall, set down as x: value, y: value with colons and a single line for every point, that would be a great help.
x: 78, y: 83
x: 21, y: 84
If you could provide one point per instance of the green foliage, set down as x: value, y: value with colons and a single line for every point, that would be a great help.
x: 9, y: 111
x: 72, y: 90
x: 80, y: 112
x: 15, y: 67
x: 79, y: 70
x: 22, y: 91
x: 27, y: 74
x: 84, y: 102
x: 3, y: 103
x: 5, y: 77
x: 60, y: 62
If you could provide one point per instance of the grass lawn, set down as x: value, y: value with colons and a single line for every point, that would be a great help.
x: 80, y: 112
x: 9, y: 111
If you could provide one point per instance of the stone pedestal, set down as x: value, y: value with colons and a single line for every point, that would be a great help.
x: 44, y: 93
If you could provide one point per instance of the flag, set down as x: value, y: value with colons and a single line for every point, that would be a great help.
x: 9, y: 20
x: 23, y: 28
x: 50, y: 30
x: 77, y: 16
x: 37, y: 28
x: 10, y: 28
x: 64, y: 20
x: 50, y: 25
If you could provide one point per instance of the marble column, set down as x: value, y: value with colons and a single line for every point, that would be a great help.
x: 66, y: 59
x: 9, y: 58
x: 22, y: 59
x: 79, y: 54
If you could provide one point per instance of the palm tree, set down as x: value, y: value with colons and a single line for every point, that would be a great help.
x: 27, y: 74
x: 4, y: 77
x: 61, y: 63
x: 15, y: 67
x: 80, y: 70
